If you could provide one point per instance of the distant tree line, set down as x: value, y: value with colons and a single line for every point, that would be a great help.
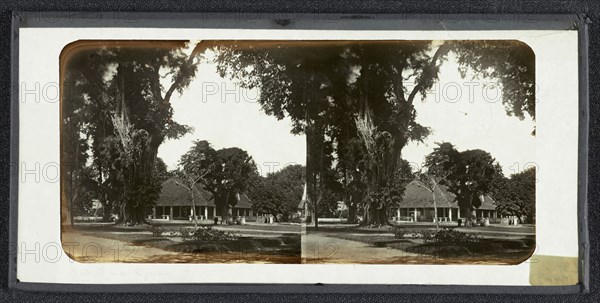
x: 278, y: 193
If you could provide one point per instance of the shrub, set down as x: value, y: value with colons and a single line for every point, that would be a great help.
x: 155, y: 230
x: 399, y: 232
x: 426, y: 235
x: 208, y: 233
x: 449, y: 235
x: 183, y: 232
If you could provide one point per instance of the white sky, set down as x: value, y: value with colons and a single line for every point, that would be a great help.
x: 466, y: 112
x: 469, y: 114
x: 229, y: 116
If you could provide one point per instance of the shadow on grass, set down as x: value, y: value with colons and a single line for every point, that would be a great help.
x: 481, y: 251
x: 279, y: 246
x: 498, y: 250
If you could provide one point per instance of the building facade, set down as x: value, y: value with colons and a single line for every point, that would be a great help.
x: 418, y: 206
x: 175, y: 203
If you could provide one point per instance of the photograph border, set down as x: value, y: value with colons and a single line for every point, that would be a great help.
x: 278, y: 21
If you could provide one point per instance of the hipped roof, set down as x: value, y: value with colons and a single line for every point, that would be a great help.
x: 417, y: 196
x: 173, y: 194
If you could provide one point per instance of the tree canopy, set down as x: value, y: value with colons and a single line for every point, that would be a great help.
x: 113, y: 96
x: 279, y: 192
x: 354, y: 99
x: 224, y: 172
x: 516, y: 195
x: 469, y: 174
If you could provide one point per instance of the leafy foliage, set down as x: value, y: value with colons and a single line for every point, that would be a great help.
x: 516, y: 195
x: 444, y: 235
x: 426, y: 235
x: 278, y: 193
x: 452, y: 236
x: 201, y: 233
x: 156, y: 230
x: 208, y: 233
x: 399, y: 232
x: 469, y: 174
x: 114, y: 98
x: 389, y: 193
x: 511, y: 63
x: 225, y: 172
x: 354, y: 100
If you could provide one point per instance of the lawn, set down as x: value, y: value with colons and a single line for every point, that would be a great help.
x: 493, y: 244
x: 256, y: 247
x: 262, y: 243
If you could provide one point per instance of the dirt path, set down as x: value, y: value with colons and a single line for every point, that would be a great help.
x: 87, y: 248
x: 321, y: 248
x: 316, y: 248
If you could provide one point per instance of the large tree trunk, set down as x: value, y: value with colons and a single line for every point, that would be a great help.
x: 469, y: 218
x: 348, y: 201
x: 71, y: 173
x: 317, y: 188
x: 435, y: 217
x: 141, y: 148
x: 366, y: 215
x: 352, y: 213
x: 356, y: 199
x: 71, y: 206
x: 375, y: 216
x: 68, y: 196
x: 133, y: 214
x: 351, y: 209
x: 466, y: 204
x: 66, y: 211
x: 228, y: 214
x: 194, y: 214
x: 107, y: 209
x: 222, y: 204
x: 145, y: 175
x: 311, y: 174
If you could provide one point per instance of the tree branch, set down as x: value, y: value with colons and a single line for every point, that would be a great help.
x: 442, y: 50
x: 197, y: 49
x: 181, y: 184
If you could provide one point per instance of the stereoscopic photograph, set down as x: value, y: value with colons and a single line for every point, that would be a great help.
x: 298, y: 151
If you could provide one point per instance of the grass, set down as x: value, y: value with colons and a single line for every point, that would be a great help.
x: 379, y: 241
x: 283, y: 248
x: 496, y: 244
x: 497, y: 249
x: 280, y: 246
